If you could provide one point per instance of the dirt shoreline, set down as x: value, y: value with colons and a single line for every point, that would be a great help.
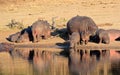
x: 63, y: 46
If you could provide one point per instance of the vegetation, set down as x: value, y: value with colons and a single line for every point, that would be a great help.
x: 14, y: 24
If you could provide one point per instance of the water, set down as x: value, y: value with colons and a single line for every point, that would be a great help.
x: 40, y: 62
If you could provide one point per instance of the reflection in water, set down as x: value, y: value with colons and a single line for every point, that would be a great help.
x: 115, y: 65
x: 34, y: 62
x: 40, y: 62
x: 89, y: 62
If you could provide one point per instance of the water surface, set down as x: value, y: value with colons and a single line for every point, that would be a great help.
x: 41, y: 62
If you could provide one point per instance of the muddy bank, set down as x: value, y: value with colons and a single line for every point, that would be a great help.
x: 6, y: 46
x: 66, y: 46
x: 58, y: 46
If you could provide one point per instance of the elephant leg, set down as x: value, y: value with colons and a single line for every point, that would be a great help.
x: 45, y: 36
x: 34, y: 38
x: 38, y: 38
x: 86, y: 41
x: 100, y: 41
x: 75, y: 46
x: 69, y: 36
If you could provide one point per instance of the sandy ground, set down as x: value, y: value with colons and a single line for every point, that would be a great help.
x: 105, y: 13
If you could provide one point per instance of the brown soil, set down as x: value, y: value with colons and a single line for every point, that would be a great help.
x: 105, y: 13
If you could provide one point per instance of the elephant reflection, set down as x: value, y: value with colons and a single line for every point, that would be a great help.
x: 85, y: 62
x: 42, y: 60
x: 24, y: 53
x: 115, y: 62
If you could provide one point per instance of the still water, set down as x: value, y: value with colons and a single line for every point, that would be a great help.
x: 42, y: 62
